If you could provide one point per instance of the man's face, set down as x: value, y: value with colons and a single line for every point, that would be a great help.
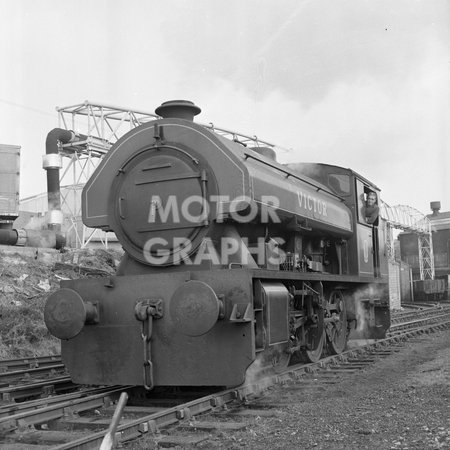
x: 371, y: 199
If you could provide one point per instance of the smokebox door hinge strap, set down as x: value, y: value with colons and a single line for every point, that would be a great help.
x: 158, y: 135
x: 145, y: 311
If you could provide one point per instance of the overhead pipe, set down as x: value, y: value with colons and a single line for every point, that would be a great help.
x: 51, y: 238
x: 52, y: 164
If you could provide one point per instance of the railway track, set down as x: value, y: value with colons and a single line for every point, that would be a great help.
x: 425, y: 304
x: 410, y: 314
x: 29, y: 363
x: 26, y: 378
x: 13, y: 376
x: 416, y: 319
x: 78, y: 420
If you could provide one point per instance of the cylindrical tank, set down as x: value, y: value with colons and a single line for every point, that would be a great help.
x: 9, y: 182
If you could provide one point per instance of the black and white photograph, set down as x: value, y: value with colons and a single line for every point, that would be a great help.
x: 225, y: 224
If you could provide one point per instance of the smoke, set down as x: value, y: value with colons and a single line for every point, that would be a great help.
x: 34, y: 228
x: 256, y: 374
x: 361, y: 310
x: 32, y: 221
x: 362, y: 318
x: 253, y: 373
x: 267, y: 363
x: 41, y: 238
x: 362, y: 321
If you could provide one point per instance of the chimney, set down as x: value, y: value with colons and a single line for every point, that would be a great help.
x: 179, y: 109
x: 435, y: 207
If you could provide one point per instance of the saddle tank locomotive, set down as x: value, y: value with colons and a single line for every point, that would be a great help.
x: 230, y: 259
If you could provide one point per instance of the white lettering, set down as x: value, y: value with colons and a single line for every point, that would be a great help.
x: 259, y: 250
x: 228, y: 246
x: 181, y: 249
x: 269, y: 202
x: 310, y: 203
x: 276, y: 254
x: 300, y: 198
x: 203, y: 205
x: 246, y: 201
x: 162, y: 255
x: 220, y: 203
x: 207, y: 252
x: 157, y: 206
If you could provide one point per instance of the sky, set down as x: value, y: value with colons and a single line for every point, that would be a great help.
x: 363, y: 84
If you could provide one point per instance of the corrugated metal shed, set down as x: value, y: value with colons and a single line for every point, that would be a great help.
x: 9, y: 181
x: 399, y: 284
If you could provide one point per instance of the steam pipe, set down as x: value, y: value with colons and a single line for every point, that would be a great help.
x: 52, y: 164
x: 32, y: 238
x: 8, y: 237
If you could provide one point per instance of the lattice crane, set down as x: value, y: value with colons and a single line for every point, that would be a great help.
x: 410, y: 219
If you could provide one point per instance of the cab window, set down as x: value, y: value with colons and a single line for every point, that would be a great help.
x: 367, y: 211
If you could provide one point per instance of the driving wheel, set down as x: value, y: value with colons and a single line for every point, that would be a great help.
x: 336, y: 323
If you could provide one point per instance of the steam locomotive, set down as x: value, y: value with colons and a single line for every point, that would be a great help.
x: 231, y: 259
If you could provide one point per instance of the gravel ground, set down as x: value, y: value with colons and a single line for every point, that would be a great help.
x: 400, y: 402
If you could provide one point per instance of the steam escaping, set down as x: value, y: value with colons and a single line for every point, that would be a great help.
x: 365, y: 309
x: 362, y: 319
x: 253, y: 373
x: 256, y: 374
x: 267, y: 363
x: 31, y: 221
x: 32, y: 231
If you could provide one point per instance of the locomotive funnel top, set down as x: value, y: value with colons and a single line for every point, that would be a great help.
x: 178, y: 109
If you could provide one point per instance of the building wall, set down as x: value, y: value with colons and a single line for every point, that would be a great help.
x: 9, y: 181
x: 441, y: 244
x: 394, y: 285
x: 441, y: 251
x: 409, y: 250
x: 405, y: 282
x: 399, y: 284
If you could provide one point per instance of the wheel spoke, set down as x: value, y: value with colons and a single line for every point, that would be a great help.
x: 336, y: 331
x: 315, y: 354
x: 315, y: 339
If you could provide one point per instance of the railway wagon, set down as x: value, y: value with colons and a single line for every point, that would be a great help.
x: 232, y: 260
x: 432, y: 290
